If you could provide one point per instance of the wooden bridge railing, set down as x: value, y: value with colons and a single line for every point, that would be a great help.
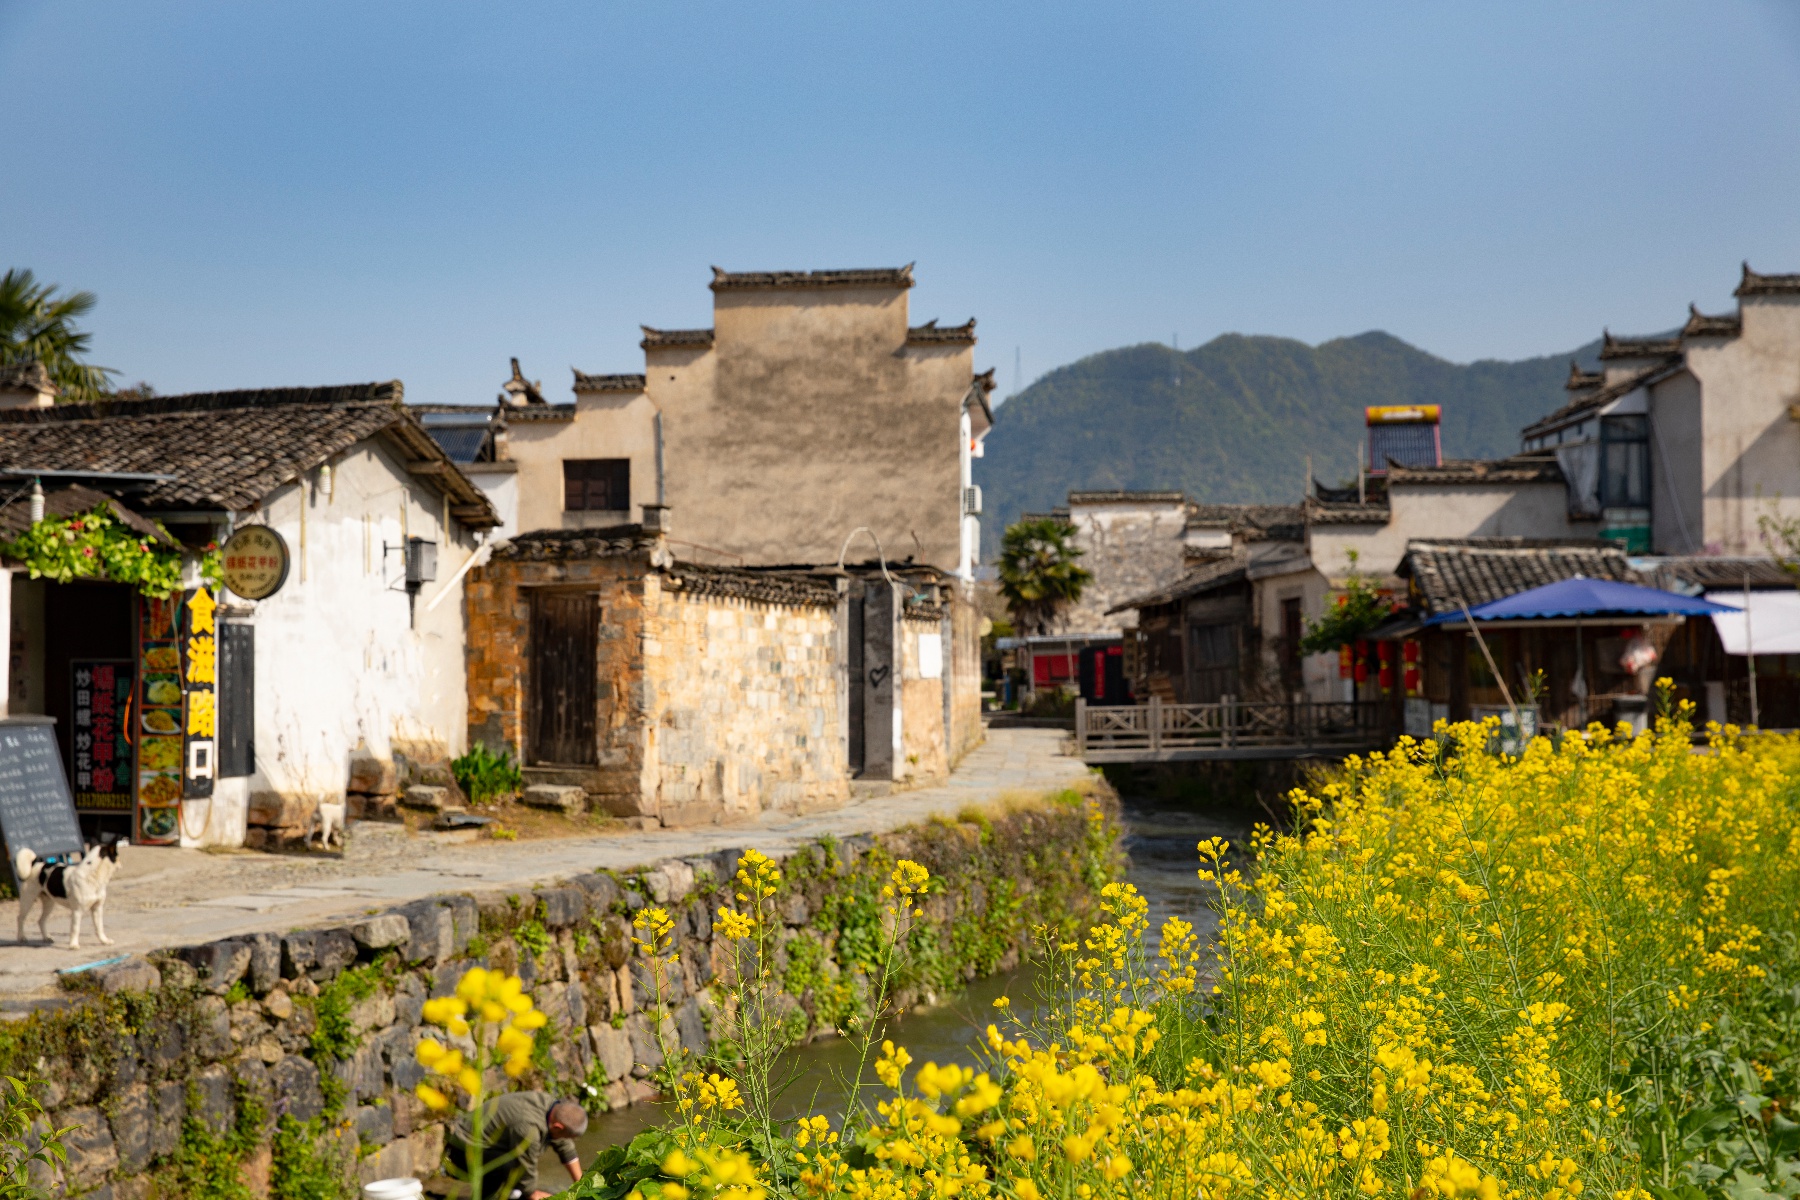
x: 1228, y: 729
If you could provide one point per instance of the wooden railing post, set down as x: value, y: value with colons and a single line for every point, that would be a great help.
x: 1227, y: 718
x: 1081, y: 727
x: 1155, y: 717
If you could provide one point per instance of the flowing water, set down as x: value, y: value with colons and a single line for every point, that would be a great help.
x: 1159, y: 840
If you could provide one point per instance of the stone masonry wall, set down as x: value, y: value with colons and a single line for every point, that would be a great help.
x: 745, y: 706
x: 159, y: 1060
x: 922, y: 702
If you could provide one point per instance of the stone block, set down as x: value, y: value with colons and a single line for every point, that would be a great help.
x: 374, y: 1011
x: 265, y: 962
x: 563, y: 798
x: 134, y: 1187
x: 218, y: 963
x: 363, y: 1074
x: 131, y: 1127
x: 371, y: 775
x: 690, y: 1026
x: 92, y: 1154
x: 378, y: 933
x: 296, y: 1081
x: 374, y: 1124
x: 433, y: 929
x: 164, y: 1043
x: 669, y: 882
x: 168, y: 1109
x: 602, y: 890
x: 212, y: 1099
x: 615, y: 941
x: 279, y: 811
x: 278, y: 1005
x: 640, y: 1091
x: 465, y: 920
x: 612, y: 1047
x: 134, y: 975
x: 427, y: 1146
x: 427, y: 796
x: 409, y: 1001
x: 299, y: 953
x: 392, y: 1161
x: 255, y: 1169
x: 333, y: 950
x: 646, y: 1053
x: 562, y: 906
x: 250, y: 1081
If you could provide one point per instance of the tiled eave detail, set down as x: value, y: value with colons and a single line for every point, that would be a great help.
x: 932, y: 334
x: 535, y: 413
x: 764, y: 281
x: 755, y: 587
x: 1347, y: 514
x: 572, y: 545
x: 1649, y: 377
x: 1475, y: 471
x: 675, y: 339
x: 608, y: 383
x: 1753, y: 284
x: 1638, y: 347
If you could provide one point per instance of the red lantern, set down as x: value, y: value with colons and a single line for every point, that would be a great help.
x: 1346, y: 661
x: 1362, y: 662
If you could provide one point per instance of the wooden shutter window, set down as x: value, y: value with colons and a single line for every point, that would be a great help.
x: 596, y: 484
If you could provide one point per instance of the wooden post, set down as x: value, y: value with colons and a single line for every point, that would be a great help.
x: 1081, y: 729
x: 1227, y: 717
x: 1155, y: 718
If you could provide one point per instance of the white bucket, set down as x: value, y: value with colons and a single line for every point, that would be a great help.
x: 393, y: 1189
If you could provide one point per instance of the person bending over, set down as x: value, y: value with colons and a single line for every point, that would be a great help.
x: 516, y: 1127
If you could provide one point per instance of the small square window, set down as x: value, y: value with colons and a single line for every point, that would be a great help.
x: 596, y: 484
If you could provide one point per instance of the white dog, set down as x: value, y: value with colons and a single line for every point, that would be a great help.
x: 79, y: 887
x: 327, y: 819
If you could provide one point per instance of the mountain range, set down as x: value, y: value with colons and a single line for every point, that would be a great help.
x: 1234, y: 420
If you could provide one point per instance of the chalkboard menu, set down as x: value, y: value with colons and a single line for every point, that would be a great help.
x: 36, y: 810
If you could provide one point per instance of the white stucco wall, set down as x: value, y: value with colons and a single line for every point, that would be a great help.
x: 337, y: 661
x: 605, y: 425
x: 1538, y: 510
x: 1750, y: 447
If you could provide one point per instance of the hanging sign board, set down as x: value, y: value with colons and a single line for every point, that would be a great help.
x: 255, y: 561
x: 36, y: 811
x: 102, y: 738
x: 200, y: 674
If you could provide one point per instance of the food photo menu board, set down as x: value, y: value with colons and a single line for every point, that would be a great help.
x: 159, y: 761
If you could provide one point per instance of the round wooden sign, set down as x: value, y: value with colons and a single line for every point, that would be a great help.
x: 256, y: 562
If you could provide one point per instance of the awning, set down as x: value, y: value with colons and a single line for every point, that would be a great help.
x: 1584, y: 597
x: 1774, y: 622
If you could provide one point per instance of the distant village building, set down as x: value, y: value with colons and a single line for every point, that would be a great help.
x: 809, y: 410
x: 1674, y: 452
x: 357, y: 656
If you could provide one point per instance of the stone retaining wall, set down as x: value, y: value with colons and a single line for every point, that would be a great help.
x: 202, y: 1050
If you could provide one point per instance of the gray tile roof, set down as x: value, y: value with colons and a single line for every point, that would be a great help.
x: 660, y: 339
x: 1477, y: 570
x: 1753, y: 284
x: 748, y: 281
x: 1520, y: 468
x: 1637, y: 347
x: 1717, y: 573
x: 66, y: 501
x: 229, y: 450
x: 1222, y: 573
x: 931, y: 333
x: 791, y: 587
x: 608, y: 383
x: 1648, y: 377
x: 1699, y: 324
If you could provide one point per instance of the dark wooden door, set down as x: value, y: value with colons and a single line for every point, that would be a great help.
x: 565, y: 629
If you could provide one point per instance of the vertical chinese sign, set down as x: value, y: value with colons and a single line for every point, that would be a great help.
x: 200, y: 674
x: 159, y: 764
x: 102, y: 737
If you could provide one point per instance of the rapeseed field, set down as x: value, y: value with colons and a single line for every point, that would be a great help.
x: 1567, y: 973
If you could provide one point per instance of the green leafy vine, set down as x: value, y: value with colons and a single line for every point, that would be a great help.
x: 96, y: 545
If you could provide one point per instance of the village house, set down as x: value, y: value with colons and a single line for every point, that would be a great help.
x: 1676, y: 451
x: 350, y: 663
x: 679, y: 693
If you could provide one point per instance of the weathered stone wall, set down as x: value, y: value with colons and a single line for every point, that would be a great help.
x: 1133, y: 543
x: 205, y: 1049
x: 922, y: 701
x: 966, y: 729
x: 746, y: 707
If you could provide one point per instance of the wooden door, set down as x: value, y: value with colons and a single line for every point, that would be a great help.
x: 565, y: 629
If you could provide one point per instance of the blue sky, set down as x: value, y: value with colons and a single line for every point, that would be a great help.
x: 275, y: 194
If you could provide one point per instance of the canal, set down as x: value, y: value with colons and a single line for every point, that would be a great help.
x: 1159, y: 842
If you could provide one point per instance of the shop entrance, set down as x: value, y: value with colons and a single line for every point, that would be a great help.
x: 90, y: 653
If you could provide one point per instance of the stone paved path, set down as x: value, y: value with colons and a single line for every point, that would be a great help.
x: 168, y: 897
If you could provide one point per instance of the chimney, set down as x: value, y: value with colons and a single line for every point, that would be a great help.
x: 26, y: 385
x: 519, y: 391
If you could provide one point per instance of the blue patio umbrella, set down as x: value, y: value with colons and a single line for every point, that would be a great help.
x: 1584, y: 597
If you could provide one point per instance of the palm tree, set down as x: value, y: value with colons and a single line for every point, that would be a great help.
x: 38, y: 325
x: 1038, y: 572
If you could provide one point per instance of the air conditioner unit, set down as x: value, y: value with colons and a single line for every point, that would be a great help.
x: 972, y: 501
